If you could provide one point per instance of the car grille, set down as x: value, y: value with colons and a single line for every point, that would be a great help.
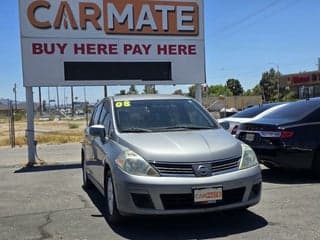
x: 185, y: 201
x: 186, y: 169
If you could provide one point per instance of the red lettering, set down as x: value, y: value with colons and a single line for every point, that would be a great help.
x: 127, y: 48
x: 91, y: 49
x: 113, y: 49
x: 79, y: 49
x: 172, y: 49
x: 162, y: 49
x: 62, y: 47
x: 192, y: 49
x: 182, y: 50
x: 37, y: 48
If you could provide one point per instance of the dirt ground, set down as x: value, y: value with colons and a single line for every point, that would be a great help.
x: 62, y: 131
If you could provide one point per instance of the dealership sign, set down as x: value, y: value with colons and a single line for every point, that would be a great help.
x: 98, y: 42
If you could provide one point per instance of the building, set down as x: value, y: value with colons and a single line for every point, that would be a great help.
x: 305, y: 84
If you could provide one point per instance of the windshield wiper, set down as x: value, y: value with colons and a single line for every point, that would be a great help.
x: 184, y: 127
x: 134, y: 129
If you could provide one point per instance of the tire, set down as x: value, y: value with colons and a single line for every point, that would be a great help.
x: 316, y: 165
x: 112, y: 214
x: 87, y: 184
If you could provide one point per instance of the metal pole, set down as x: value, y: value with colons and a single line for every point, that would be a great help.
x: 198, y: 93
x: 40, y: 101
x: 12, y: 130
x: 72, y: 103
x: 105, y: 91
x: 58, y: 102
x: 15, y: 96
x: 318, y: 64
x: 278, y: 74
x: 49, y: 100
x: 86, y: 105
x: 30, y: 126
x: 10, y: 112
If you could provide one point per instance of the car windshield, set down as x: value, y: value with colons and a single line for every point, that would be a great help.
x: 294, y: 111
x: 161, y: 115
x: 254, y: 111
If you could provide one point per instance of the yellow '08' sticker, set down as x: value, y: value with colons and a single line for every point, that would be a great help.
x: 123, y: 104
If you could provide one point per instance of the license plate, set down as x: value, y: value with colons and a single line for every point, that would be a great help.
x: 250, y: 137
x: 207, y: 195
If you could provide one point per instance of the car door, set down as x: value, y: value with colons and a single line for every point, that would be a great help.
x: 102, y: 144
x: 90, y: 142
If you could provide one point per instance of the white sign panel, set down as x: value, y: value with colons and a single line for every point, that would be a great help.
x: 112, y: 42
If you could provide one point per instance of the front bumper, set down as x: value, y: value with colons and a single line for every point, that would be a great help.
x: 174, y: 195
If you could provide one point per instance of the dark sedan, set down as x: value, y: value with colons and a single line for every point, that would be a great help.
x: 288, y: 137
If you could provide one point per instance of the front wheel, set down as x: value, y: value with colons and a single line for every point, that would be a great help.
x: 112, y: 214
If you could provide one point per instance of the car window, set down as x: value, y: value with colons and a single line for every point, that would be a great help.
x: 155, y: 115
x: 294, y: 111
x: 96, y: 115
x: 105, y: 117
x: 253, y: 111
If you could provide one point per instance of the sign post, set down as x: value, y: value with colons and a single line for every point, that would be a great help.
x: 30, y: 127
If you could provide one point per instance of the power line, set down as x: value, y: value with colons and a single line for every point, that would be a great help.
x: 249, y: 16
x: 226, y: 29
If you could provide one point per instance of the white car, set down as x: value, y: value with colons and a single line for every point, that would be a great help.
x: 232, y: 123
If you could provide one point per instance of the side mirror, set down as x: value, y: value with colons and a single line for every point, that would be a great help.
x: 225, y: 125
x: 97, y: 131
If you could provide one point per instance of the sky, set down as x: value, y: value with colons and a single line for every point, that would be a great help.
x: 243, y: 39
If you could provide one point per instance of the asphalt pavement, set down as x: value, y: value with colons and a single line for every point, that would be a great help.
x: 46, y: 154
x: 48, y: 202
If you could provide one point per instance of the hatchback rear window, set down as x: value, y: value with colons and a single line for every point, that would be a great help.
x: 294, y: 111
x: 254, y: 111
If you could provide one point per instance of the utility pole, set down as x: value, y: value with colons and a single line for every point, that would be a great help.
x: 58, y: 101
x: 49, y: 107
x: 15, y: 96
x: 319, y: 64
x: 40, y: 101
x: 72, y: 102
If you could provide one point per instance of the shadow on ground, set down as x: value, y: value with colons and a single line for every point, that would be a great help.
x: 43, y: 168
x: 285, y: 176
x: 202, y: 226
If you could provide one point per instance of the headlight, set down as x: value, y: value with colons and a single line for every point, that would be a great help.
x: 248, y: 158
x: 132, y: 163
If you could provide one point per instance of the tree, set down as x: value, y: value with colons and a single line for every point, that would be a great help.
x: 269, y: 85
x: 178, y: 92
x: 213, y: 90
x: 192, y: 91
x: 132, y: 90
x: 219, y: 90
x: 235, y: 87
x: 150, y: 89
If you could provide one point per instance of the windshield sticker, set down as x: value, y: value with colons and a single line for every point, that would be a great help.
x: 123, y: 104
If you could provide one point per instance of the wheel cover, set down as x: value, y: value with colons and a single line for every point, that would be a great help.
x: 110, y: 195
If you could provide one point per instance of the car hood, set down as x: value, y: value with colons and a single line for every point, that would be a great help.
x: 183, y: 146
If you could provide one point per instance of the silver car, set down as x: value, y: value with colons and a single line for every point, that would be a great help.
x: 157, y: 155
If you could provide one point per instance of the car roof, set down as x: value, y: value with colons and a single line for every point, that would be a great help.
x: 147, y: 97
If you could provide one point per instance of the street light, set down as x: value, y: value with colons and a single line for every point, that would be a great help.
x: 278, y: 76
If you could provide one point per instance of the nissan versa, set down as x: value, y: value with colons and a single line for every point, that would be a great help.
x: 156, y: 155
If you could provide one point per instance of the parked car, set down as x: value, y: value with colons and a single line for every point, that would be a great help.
x: 232, y: 123
x: 287, y: 137
x: 157, y: 155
